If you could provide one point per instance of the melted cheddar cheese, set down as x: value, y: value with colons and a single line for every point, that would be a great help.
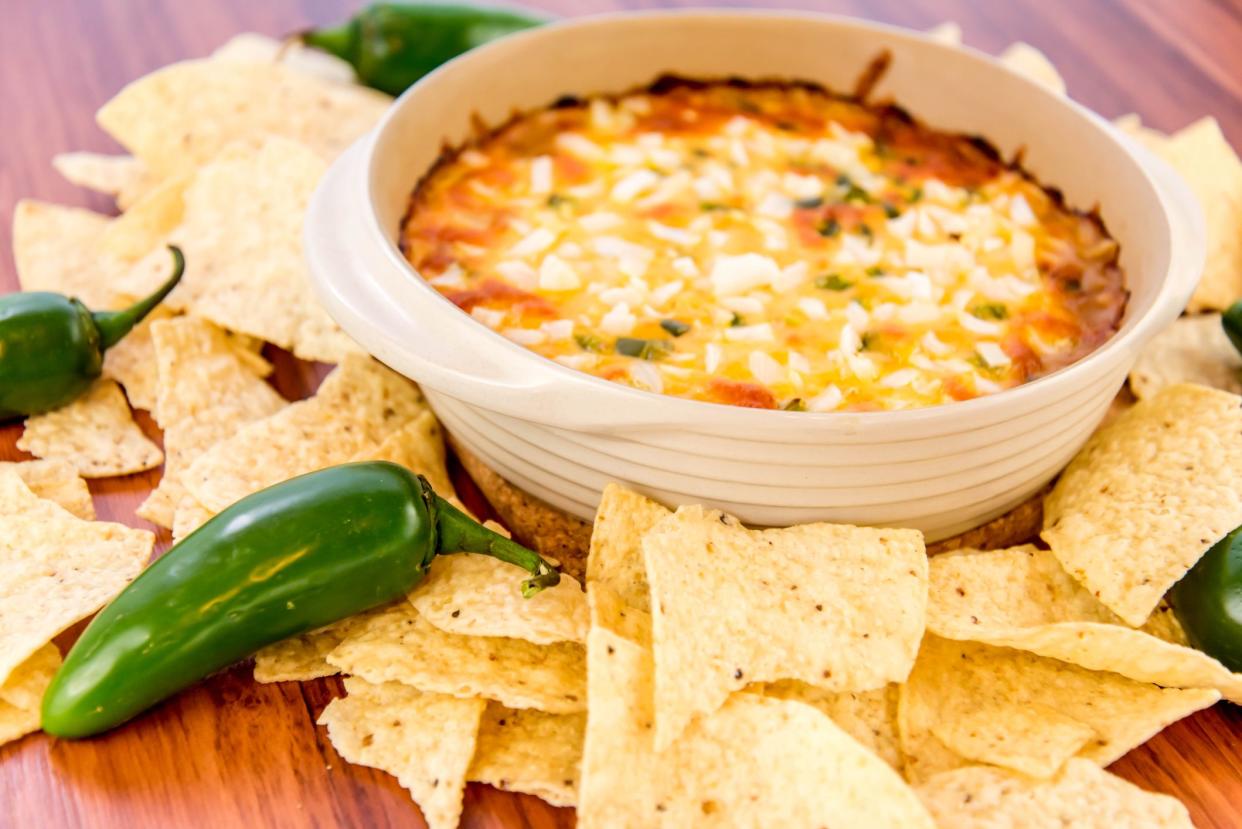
x: 771, y: 246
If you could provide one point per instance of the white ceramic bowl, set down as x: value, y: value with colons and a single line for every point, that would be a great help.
x: 562, y: 435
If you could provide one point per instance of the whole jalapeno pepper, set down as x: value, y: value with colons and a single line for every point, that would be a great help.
x: 283, y: 561
x: 52, y: 346
x: 392, y: 45
x: 1208, y: 602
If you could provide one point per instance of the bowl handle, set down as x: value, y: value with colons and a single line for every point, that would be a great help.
x: 369, y: 289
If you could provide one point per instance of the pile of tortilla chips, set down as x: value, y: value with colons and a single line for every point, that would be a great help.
x: 706, y: 674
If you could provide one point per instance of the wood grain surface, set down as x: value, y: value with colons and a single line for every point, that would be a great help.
x: 233, y: 753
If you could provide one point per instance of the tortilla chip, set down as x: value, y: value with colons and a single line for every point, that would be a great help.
x: 619, y: 781
x: 1034, y: 740
x: 836, y: 606
x: 253, y: 47
x: 56, y: 249
x: 1021, y: 598
x: 870, y: 717
x: 21, y: 695
x: 419, y: 447
x: 477, y: 595
x: 56, y: 480
x: 946, y: 32
x: 530, y: 751
x: 1152, y: 140
x: 178, y: 117
x: 1204, y: 158
x: 209, y: 387
x: 188, y: 517
x: 1147, y: 496
x: 616, y: 557
x: 58, y: 568
x: 131, y: 235
x: 982, y: 698
x: 756, y: 761
x: 424, y: 740
x: 96, y: 433
x: 1083, y: 796
x: 123, y: 177
x: 398, y: 645
x: 1025, y: 59
x: 306, y: 656
x: 610, y: 612
x: 131, y: 362
x: 358, y: 405
x: 1191, y: 350
x: 236, y: 276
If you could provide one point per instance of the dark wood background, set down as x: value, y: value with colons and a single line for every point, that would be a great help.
x: 232, y: 753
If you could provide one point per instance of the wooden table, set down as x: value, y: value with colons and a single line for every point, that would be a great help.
x: 235, y: 753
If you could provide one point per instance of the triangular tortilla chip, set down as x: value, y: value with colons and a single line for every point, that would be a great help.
x: 1083, y: 796
x: 477, y: 595
x: 756, y: 761
x: 178, y: 117
x: 981, y: 699
x: 424, y: 740
x: 1021, y: 598
x: 1191, y: 350
x: 398, y: 645
x: 21, y: 695
x: 870, y: 717
x: 524, y: 750
x: 209, y: 387
x: 56, y: 480
x: 58, y: 568
x: 1147, y: 496
x: 836, y: 606
x: 131, y: 362
x: 419, y: 447
x: 358, y: 405
x: 306, y: 657
x: 616, y: 556
x: 121, y: 176
x: 1025, y: 59
x: 240, y: 227
x: 96, y: 433
x: 56, y: 249
x: 1204, y: 158
x: 253, y: 47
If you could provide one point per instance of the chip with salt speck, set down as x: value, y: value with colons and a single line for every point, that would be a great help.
x: 56, y: 480
x: 1081, y: 795
x: 1147, y: 496
x: 835, y: 606
x: 358, y: 405
x: 398, y: 645
x: 524, y: 750
x: 424, y: 740
x: 966, y: 701
x: 58, y: 569
x: 1021, y: 598
x: 96, y: 433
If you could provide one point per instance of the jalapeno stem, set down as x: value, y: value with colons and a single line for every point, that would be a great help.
x: 457, y: 532
x: 336, y: 40
x: 114, y: 325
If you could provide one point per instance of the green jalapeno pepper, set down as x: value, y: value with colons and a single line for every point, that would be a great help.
x: 1231, y: 321
x: 1208, y: 602
x: 278, y: 563
x: 392, y: 45
x: 52, y: 346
